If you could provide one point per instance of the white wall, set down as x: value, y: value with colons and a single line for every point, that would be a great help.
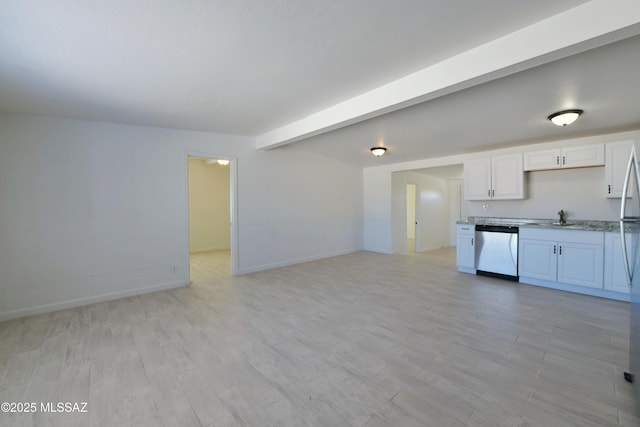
x: 295, y: 206
x: 209, y: 210
x: 91, y: 211
x: 578, y: 191
x: 377, y: 212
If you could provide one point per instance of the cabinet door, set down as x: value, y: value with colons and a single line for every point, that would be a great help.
x: 466, y: 251
x: 617, y: 156
x: 614, y: 277
x: 577, y: 157
x: 580, y: 264
x: 542, y: 160
x: 477, y: 179
x: 538, y: 259
x: 507, y: 177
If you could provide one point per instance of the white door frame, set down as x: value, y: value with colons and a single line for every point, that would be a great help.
x: 416, y: 215
x: 456, y: 206
x: 233, y: 204
x: 418, y: 246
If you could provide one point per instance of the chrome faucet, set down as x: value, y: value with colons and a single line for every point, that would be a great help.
x: 563, y: 217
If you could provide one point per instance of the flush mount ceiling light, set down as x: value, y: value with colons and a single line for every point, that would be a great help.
x: 565, y: 117
x: 221, y: 162
x: 378, y: 151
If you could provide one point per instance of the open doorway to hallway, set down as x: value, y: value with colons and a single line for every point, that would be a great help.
x: 426, y: 203
x: 210, y: 218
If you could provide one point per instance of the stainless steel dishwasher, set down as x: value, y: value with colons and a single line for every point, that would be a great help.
x: 497, y: 251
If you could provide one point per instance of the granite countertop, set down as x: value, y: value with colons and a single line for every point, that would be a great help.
x: 585, y: 225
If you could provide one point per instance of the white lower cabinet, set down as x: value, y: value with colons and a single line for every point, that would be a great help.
x: 587, y: 262
x: 581, y: 264
x: 615, y: 278
x: 572, y: 257
x: 537, y: 258
x: 466, y: 249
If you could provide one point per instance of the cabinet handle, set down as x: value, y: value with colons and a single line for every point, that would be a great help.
x: 554, y: 249
x: 560, y: 250
x: 564, y: 160
x: 489, y: 193
x: 493, y: 193
x: 557, y: 160
x: 472, y: 241
x: 609, y: 188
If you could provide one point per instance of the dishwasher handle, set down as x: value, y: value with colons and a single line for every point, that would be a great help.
x: 497, y: 228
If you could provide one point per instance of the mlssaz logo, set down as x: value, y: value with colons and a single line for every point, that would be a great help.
x: 66, y: 407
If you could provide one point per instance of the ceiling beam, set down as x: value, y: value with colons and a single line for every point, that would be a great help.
x: 576, y: 30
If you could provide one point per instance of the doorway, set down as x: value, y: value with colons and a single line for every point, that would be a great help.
x: 437, y: 207
x: 211, y: 195
x: 411, y: 218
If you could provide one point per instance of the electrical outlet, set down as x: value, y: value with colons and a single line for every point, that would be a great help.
x: 173, y: 269
x: 485, y: 206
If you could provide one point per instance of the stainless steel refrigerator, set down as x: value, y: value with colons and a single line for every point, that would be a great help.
x: 630, y: 236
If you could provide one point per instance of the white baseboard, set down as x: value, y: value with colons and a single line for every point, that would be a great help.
x: 596, y: 292
x: 432, y: 248
x: 379, y: 251
x: 211, y: 249
x: 297, y: 261
x: 48, y: 308
x: 467, y: 270
x: 63, y: 305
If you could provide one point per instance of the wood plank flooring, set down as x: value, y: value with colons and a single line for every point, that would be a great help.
x: 358, y: 340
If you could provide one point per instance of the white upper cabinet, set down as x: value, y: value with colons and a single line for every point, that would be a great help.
x: 578, y: 157
x: 615, y: 167
x: 477, y: 179
x: 497, y: 178
x: 541, y: 160
x: 507, y: 177
x: 571, y: 157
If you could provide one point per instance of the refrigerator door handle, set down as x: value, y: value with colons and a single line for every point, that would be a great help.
x: 633, y: 164
x: 625, y: 186
x: 625, y: 256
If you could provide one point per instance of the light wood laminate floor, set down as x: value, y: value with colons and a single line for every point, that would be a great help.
x: 358, y: 340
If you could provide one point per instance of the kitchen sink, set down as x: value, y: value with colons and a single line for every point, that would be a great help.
x: 576, y: 226
x: 557, y: 224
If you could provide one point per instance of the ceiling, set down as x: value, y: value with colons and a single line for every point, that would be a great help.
x: 250, y: 67
x: 511, y: 111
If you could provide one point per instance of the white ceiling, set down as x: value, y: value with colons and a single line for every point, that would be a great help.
x: 510, y: 111
x: 251, y: 66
